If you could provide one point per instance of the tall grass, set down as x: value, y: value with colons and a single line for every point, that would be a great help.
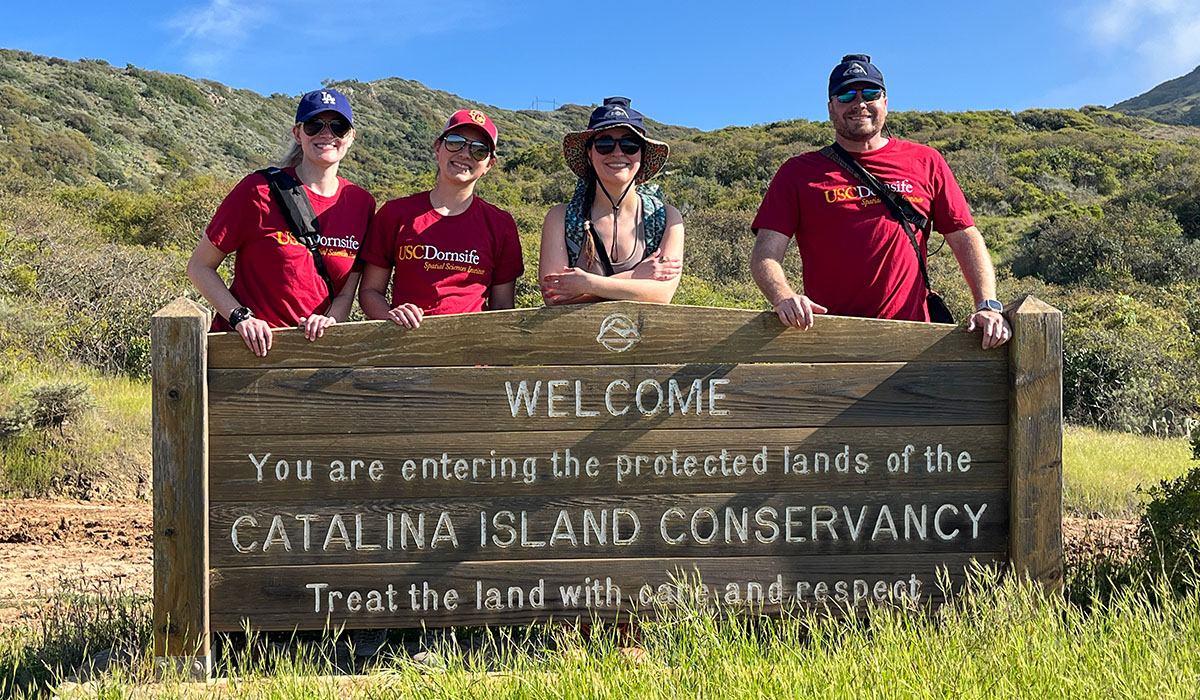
x: 1104, y: 472
x: 999, y: 638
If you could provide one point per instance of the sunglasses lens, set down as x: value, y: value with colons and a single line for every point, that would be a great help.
x: 629, y: 146
x: 480, y: 151
x: 604, y: 145
x: 868, y: 95
x: 339, y: 127
x: 454, y: 142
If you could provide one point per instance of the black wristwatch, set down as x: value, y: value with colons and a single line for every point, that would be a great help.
x: 990, y: 305
x: 238, y: 315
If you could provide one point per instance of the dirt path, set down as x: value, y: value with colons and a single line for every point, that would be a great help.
x: 41, y: 542
x: 106, y: 544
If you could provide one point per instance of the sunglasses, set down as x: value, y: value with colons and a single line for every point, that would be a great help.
x: 605, y: 145
x: 338, y: 126
x: 868, y: 95
x: 478, y: 150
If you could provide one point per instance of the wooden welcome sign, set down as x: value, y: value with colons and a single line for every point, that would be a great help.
x: 591, y: 460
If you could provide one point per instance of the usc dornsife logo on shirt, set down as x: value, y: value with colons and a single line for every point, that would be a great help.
x: 341, y: 247
x: 838, y: 192
x: 420, y: 251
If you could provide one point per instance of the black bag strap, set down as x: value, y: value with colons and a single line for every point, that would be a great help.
x: 301, y: 219
x: 601, y: 253
x: 899, y: 207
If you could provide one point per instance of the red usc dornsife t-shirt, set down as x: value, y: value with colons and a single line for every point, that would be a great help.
x: 857, y: 259
x: 444, y: 264
x: 273, y: 273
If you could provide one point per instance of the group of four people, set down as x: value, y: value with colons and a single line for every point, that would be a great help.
x: 447, y: 251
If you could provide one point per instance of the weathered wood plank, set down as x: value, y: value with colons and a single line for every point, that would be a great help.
x: 281, y: 597
x: 348, y: 467
x: 245, y: 402
x: 648, y: 526
x: 518, y: 337
x: 180, y: 458
x: 1035, y: 442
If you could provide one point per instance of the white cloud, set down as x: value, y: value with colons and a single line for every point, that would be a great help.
x: 213, y: 33
x: 1164, y: 34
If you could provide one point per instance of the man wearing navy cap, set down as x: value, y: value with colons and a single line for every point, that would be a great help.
x: 858, y: 259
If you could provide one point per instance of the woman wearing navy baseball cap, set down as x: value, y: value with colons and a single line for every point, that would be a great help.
x: 615, y: 239
x: 278, y: 282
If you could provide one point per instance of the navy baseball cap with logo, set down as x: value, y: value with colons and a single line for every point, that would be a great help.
x: 854, y: 68
x: 317, y: 101
x: 616, y: 112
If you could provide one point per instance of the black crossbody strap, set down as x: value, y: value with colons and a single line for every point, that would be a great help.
x: 301, y: 219
x: 601, y: 253
x: 899, y: 207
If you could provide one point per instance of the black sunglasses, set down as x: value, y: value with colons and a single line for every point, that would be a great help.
x: 478, y: 150
x: 338, y: 126
x: 868, y: 95
x: 605, y: 145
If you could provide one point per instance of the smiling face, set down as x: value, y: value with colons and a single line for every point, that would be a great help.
x: 858, y: 120
x: 459, y: 167
x: 324, y: 149
x: 616, y: 166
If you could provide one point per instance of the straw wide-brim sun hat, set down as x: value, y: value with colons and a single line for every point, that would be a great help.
x: 654, y: 155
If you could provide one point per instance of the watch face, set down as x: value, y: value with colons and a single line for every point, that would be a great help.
x: 990, y: 305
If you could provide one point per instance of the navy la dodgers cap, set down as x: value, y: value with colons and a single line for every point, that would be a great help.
x: 854, y: 68
x: 317, y: 101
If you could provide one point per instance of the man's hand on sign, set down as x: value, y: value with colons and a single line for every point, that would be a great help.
x: 996, y: 331
x: 407, y: 315
x: 798, y: 310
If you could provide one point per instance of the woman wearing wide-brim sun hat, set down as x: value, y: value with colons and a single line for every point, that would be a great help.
x: 616, y: 238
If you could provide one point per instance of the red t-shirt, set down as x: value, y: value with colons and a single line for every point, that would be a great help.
x: 857, y: 259
x: 273, y: 273
x: 444, y: 264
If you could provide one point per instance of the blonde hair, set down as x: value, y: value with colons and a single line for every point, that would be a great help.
x: 293, y: 157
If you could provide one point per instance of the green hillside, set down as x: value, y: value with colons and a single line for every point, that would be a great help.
x: 86, y: 122
x: 109, y: 175
x: 1176, y: 101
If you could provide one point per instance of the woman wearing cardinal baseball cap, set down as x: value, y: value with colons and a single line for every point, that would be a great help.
x: 615, y: 239
x: 445, y: 251
x: 278, y: 281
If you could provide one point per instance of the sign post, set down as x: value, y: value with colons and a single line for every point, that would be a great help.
x: 595, y: 461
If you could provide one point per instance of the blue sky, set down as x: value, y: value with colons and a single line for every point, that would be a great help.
x: 704, y: 64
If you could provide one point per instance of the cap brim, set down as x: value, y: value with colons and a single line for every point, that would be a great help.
x: 314, y: 112
x: 654, y: 157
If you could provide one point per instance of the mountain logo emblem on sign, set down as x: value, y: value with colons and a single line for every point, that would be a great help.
x: 618, y: 333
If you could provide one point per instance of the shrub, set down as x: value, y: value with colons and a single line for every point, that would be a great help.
x: 15, y: 421
x: 55, y: 404
x: 1169, y: 530
x: 1136, y: 241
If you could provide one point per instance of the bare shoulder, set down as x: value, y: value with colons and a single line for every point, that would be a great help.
x: 556, y: 217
